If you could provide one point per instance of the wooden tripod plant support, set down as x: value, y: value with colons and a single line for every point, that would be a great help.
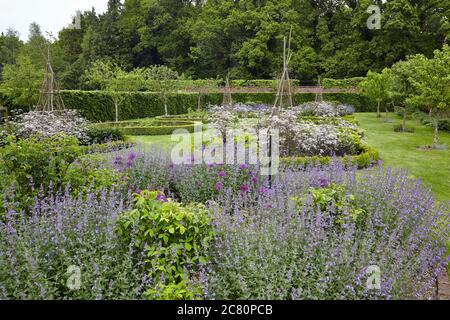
x: 284, y: 92
x: 50, y: 99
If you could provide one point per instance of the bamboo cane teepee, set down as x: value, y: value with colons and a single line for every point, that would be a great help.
x: 50, y: 98
x: 284, y: 92
x: 227, y: 99
x: 319, y: 94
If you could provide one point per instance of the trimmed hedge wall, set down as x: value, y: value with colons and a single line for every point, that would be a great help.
x: 97, y: 106
x: 342, y: 83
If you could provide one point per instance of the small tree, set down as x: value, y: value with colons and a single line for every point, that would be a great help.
x: 401, y: 88
x: 163, y: 80
x: 115, y: 81
x: 376, y: 88
x: 432, y: 84
x: 21, y: 82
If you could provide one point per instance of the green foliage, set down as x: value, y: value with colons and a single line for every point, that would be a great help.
x: 27, y: 164
x: 366, y: 158
x: 334, y: 195
x: 271, y: 84
x: 150, y: 127
x: 174, y: 238
x: 91, y: 174
x: 342, y: 83
x: 21, y: 82
x: 376, y: 87
x: 101, y: 135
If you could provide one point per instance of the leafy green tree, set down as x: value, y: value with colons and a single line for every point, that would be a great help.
x: 116, y: 82
x: 432, y: 85
x: 22, y: 81
x: 162, y: 79
x: 10, y: 45
x: 376, y: 88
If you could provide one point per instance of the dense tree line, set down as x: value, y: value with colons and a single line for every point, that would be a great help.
x: 208, y: 39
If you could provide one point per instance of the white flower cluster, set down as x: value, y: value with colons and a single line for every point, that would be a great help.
x: 306, y: 138
x: 49, y: 124
x: 240, y: 108
x: 325, y: 109
x: 222, y: 120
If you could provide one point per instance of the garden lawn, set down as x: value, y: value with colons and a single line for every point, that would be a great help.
x: 401, y: 150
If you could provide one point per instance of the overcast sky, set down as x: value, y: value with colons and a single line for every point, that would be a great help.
x: 51, y: 15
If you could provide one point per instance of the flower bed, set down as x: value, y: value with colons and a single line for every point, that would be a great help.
x: 313, y: 232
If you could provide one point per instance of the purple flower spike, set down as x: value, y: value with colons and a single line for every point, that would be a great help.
x: 132, y: 156
x: 222, y: 174
x: 263, y: 190
x: 219, y: 186
x: 324, y: 183
x: 243, y: 166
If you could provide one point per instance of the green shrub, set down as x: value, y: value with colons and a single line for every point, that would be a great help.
x: 334, y: 195
x: 27, y: 164
x: 91, y: 173
x: 150, y: 127
x: 342, y: 83
x: 174, y: 238
x: 102, y: 135
x: 3, y: 137
x: 443, y: 124
x: 366, y: 158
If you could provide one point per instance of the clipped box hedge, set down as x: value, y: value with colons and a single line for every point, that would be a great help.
x: 97, y: 106
x: 342, y: 83
x: 365, y: 159
x: 149, y: 127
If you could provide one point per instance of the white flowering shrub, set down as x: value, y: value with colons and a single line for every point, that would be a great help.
x: 49, y: 124
x: 306, y: 138
x: 240, y: 108
x: 222, y: 120
x: 325, y: 109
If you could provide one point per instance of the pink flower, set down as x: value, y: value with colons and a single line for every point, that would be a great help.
x: 222, y: 174
x: 244, y: 188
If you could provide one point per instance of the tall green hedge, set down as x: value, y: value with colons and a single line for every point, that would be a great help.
x: 342, y: 83
x: 97, y: 106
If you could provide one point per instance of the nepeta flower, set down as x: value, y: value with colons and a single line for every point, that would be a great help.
x: 219, y: 186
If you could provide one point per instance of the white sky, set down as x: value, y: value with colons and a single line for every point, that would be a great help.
x: 51, y: 15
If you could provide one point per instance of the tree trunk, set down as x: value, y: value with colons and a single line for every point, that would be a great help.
x: 199, y: 102
x: 436, y: 133
x: 166, y: 110
x: 404, y: 120
x: 116, y: 105
x: 378, y: 110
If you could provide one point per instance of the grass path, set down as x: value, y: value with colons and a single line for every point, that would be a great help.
x: 401, y: 150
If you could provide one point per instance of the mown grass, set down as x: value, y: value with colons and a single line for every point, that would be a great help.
x: 402, y: 150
